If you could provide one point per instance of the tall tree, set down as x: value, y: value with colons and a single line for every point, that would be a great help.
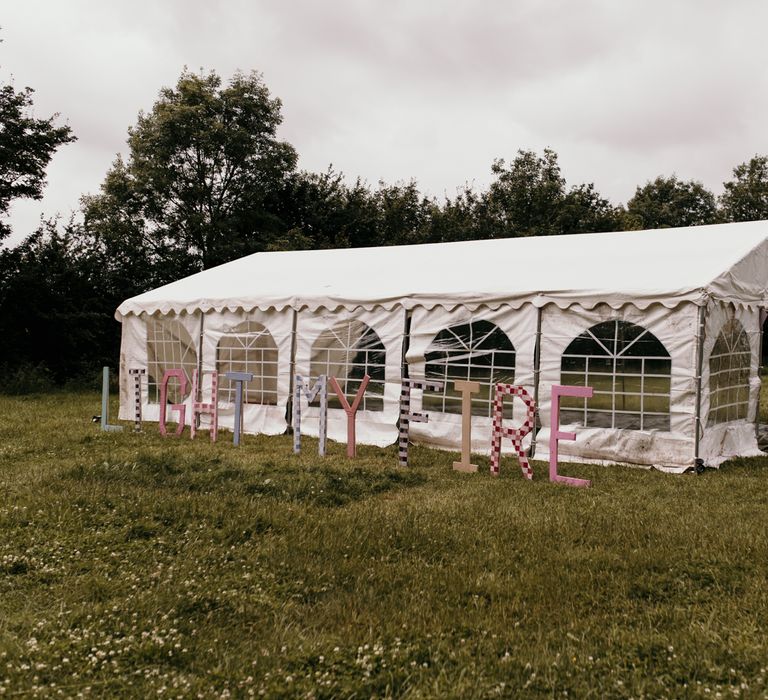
x: 668, y: 202
x: 27, y: 145
x: 746, y: 196
x: 524, y: 198
x: 204, y: 173
x: 584, y: 210
x: 319, y: 210
x: 52, y: 312
x: 404, y: 214
x: 462, y: 218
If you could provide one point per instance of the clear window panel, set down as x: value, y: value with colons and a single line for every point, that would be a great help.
x: 629, y: 371
x: 477, y: 351
x: 248, y: 347
x: 729, y: 372
x: 348, y: 352
x: 169, y: 346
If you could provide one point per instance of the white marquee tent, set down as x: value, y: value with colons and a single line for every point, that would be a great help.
x: 665, y: 325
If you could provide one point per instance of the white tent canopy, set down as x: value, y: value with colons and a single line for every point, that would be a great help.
x: 692, y: 290
x: 668, y: 266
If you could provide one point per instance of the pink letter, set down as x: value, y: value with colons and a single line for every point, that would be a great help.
x: 350, y: 411
x: 180, y: 407
x: 210, y: 408
x: 556, y: 434
x: 467, y: 389
x: 515, y: 434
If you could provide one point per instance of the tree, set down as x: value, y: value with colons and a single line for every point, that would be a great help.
x: 463, y: 218
x: 27, y: 145
x: 404, y: 214
x: 526, y: 195
x: 204, y: 175
x: 320, y: 211
x: 583, y: 210
x: 746, y: 196
x: 669, y: 202
x: 53, y: 317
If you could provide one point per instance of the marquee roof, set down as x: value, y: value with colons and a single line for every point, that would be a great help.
x: 668, y: 266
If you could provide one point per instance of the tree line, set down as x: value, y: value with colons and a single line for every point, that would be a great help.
x: 207, y: 180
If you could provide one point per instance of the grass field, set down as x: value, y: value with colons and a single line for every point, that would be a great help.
x: 136, y: 566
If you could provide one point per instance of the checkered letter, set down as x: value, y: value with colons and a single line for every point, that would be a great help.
x: 180, y: 407
x: 514, y: 434
x: 405, y: 413
x: 137, y: 374
x: 208, y: 408
x: 321, y: 388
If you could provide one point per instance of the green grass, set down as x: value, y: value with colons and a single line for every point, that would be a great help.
x: 132, y: 566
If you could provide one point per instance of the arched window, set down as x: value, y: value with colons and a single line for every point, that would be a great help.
x: 349, y: 351
x: 169, y: 346
x: 477, y: 351
x: 248, y: 347
x: 629, y: 370
x: 729, y: 366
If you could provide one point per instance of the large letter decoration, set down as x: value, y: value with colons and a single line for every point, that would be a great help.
x: 351, y: 411
x: 467, y: 389
x: 137, y: 375
x: 208, y: 408
x: 239, y: 378
x: 321, y: 388
x: 556, y: 434
x: 515, y: 434
x: 105, y: 403
x: 180, y: 407
x: 406, y: 416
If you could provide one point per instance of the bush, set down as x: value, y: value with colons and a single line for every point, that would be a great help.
x: 25, y: 378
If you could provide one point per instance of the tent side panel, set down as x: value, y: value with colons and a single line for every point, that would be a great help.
x: 133, y: 355
x: 157, y: 343
x: 436, y: 328
x: 258, y: 342
x: 671, y: 446
x: 342, y: 344
x: 730, y: 383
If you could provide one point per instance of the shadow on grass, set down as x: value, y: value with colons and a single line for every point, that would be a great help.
x: 324, y: 485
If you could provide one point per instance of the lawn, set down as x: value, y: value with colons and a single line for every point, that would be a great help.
x: 137, y: 566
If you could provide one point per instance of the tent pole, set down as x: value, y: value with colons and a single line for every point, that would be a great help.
x: 536, y: 374
x: 199, y: 396
x: 403, y: 360
x: 289, y: 403
x: 406, y: 344
x: 761, y: 316
x: 699, y: 366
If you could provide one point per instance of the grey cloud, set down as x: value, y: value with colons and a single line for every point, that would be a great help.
x: 623, y: 91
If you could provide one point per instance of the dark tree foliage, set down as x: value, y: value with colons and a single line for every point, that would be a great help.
x: 583, y: 210
x: 52, y: 311
x: 746, y: 196
x: 524, y: 198
x: 404, y: 215
x: 27, y: 145
x: 668, y: 202
x: 464, y: 218
x: 321, y: 211
x: 204, y: 175
x: 529, y: 198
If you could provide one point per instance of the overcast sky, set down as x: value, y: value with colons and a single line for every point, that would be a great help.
x: 622, y: 90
